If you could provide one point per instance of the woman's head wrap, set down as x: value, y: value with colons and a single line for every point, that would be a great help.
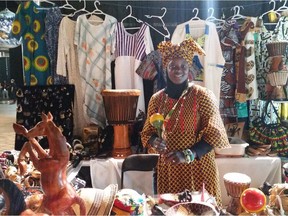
x: 185, y: 50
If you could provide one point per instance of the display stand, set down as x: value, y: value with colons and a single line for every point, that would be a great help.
x: 33, y: 100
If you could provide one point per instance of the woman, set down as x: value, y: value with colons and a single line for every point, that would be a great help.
x: 190, y: 131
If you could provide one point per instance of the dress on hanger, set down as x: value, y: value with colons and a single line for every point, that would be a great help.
x: 94, y: 41
x: 130, y: 50
x: 250, y: 69
x: 240, y: 66
x: 6, y: 19
x: 52, y: 22
x: 246, y: 82
x: 262, y: 58
x: 213, y: 61
x: 67, y: 66
x: 29, y: 24
x: 228, y: 40
x: 281, y: 29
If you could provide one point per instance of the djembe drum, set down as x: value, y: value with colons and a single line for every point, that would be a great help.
x: 235, y: 184
x: 278, y: 72
x: 120, y: 107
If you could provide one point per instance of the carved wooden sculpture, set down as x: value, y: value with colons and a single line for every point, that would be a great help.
x: 59, y: 195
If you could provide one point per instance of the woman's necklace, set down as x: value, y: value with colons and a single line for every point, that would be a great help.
x: 167, y: 125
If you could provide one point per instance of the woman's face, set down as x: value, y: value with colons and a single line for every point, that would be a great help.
x: 177, y: 70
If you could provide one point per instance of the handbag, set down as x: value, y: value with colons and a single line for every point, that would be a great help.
x: 272, y: 133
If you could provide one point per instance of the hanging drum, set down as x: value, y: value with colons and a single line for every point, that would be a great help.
x: 120, y: 107
x: 278, y: 72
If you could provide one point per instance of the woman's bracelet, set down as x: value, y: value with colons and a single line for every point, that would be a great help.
x: 189, y: 155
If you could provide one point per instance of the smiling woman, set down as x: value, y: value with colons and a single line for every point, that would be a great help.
x: 178, y: 70
x: 192, y: 126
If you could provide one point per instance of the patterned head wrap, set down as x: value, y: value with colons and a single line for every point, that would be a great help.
x: 185, y: 50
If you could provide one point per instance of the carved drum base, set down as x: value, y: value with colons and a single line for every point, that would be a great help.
x: 121, y: 143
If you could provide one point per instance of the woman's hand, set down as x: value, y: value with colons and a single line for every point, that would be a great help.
x: 175, y: 157
x: 159, y: 145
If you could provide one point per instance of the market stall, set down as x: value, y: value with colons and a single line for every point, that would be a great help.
x: 73, y: 52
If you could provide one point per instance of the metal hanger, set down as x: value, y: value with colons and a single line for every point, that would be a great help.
x: 272, y: 10
x: 283, y: 7
x: 67, y: 6
x: 6, y: 11
x: 167, y: 35
x: 40, y: 8
x: 83, y: 10
x: 237, y: 14
x: 212, y: 18
x: 49, y: 2
x: 196, y: 14
x: 97, y: 10
x: 130, y: 16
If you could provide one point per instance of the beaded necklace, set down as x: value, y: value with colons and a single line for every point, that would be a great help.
x: 167, y: 126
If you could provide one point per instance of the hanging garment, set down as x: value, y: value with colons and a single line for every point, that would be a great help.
x: 130, y: 50
x: 94, y: 41
x: 52, y: 22
x: 29, y: 24
x: 250, y: 65
x: 67, y: 66
x: 33, y: 100
x: 151, y: 69
x: 205, y: 33
x: 281, y: 29
x: 262, y: 58
x: 240, y: 65
x: 228, y: 40
x: 6, y: 19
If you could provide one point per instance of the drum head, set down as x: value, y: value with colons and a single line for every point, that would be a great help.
x: 237, y: 178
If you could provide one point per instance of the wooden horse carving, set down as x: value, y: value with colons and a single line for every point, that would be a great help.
x: 59, y: 195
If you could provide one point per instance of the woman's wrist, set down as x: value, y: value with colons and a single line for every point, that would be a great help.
x: 189, y: 155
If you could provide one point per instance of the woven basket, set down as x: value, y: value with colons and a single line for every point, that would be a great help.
x: 277, y: 48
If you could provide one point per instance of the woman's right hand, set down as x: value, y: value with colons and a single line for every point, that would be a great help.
x: 159, y: 145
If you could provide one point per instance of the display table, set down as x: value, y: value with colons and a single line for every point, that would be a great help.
x: 260, y: 169
x: 108, y: 171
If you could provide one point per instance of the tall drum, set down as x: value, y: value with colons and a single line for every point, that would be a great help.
x: 120, y: 107
x: 235, y: 184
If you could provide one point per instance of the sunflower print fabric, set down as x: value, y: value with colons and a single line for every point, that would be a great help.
x: 28, y: 24
x: 197, y: 117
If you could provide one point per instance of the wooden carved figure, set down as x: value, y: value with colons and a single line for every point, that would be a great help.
x: 59, y: 195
